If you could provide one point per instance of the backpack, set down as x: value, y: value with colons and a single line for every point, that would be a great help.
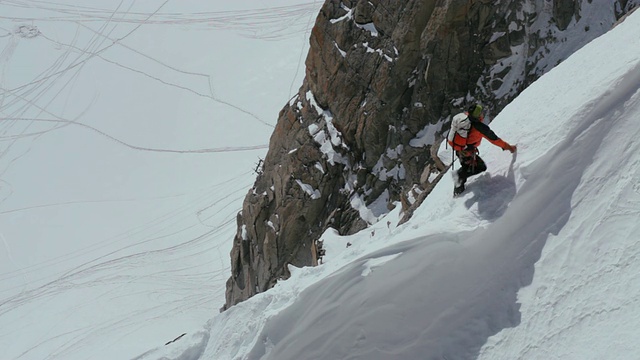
x: 460, y: 127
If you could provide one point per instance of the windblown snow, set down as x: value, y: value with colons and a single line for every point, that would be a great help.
x: 121, y: 174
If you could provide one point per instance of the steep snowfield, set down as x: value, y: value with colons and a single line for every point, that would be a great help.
x: 583, y: 300
x: 119, y: 186
x: 538, y: 260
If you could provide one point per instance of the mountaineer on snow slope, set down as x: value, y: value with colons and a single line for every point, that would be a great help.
x: 467, y: 131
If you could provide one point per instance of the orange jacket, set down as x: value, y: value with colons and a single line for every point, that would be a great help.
x: 481, y: 130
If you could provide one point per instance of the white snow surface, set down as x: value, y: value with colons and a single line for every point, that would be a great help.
x: 129, y: 135
x: 313, y: 193
x: 538, y: 260
x: 113, y: 247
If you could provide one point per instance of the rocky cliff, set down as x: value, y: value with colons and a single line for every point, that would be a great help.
x: 382, y: 79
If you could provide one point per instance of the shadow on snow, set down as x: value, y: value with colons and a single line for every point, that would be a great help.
x: 492, y: 193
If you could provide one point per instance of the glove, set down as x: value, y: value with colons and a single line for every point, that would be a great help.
x: 511, y: 148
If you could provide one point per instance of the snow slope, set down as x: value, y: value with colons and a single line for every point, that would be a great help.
x: 538, y: 260
x: 129, y: 131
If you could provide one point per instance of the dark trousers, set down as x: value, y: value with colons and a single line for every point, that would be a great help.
x: 470, y: 164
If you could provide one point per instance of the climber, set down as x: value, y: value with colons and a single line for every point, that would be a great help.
x: 467, y: 131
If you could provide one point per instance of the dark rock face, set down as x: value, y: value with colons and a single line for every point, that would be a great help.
x: 564, y: 11
x: 382, y: 79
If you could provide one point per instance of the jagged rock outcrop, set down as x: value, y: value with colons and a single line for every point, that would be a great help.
x: 382, y: 79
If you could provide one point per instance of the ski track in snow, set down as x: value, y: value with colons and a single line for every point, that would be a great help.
x: 182, y: 283
x: 132, y: 287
